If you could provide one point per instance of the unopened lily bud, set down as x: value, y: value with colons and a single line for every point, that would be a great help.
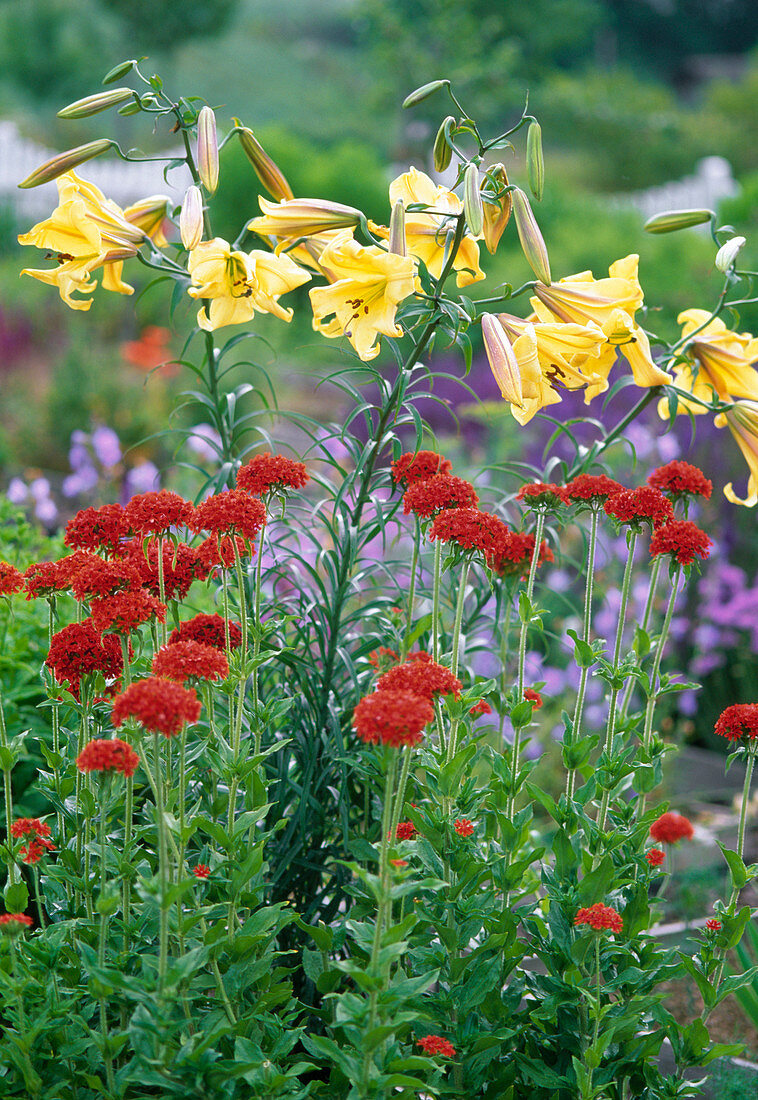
x: 443, y: 151
x: 396, y: 242
x: 149, y: 215
x: 497, y: 213
x: 302, y: 217
x: 671, y: 220
x: 267, y: 171
x: 502, y: 359
x: 64, y: 162
x: 191, y: 219
x: 94, y: 104
x: 424, y: 92
x: 207, y: 149
x: 118, y: 71
x: 728, y: 253
x: 532, y: 243
x: 535, y: 164
x: 472, y: 200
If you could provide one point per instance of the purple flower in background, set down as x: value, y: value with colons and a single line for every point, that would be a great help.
x: 79, y: 455
x: 106, y: 445
x: 17, y: 491
x: 144, y: 478
x: 205, y: 442
x: 81, y: 481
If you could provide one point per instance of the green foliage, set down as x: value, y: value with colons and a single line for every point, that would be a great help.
x: 151, y: 23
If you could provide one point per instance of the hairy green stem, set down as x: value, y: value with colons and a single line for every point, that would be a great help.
x: 406, y: 645
x: 102, y: 939
x: 576, y: 724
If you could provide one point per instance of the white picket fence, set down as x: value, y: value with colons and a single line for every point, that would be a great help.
x: 122, y: 181
x: 711, y: 182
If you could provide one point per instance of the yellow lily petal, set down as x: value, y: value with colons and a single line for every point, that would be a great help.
x: 366, y: 288
x: 742, y: 421
x: 537, y: 390
x: 719, y: 362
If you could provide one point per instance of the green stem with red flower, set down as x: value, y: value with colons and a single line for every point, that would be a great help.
x: 406, y: 643
x: 126, y: 886
x: 647, y: 615
x: 8, y: 793
x: 459, y: 607
x: 576, y: 724
x: 647, y: 731
x: 626, y: 587
x: 102, y: 936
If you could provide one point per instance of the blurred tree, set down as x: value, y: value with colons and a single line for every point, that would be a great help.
x: 163, y: 23
x: 49, y: 47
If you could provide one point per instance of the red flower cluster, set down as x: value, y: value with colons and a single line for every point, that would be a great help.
x: 671, y: 827
x: 434, y: 1044
x: 533, y: 697
x: 208, y: 630
x: 418, y: 466
x: 431, y: 495
x: 79, y: 650
x: 655, y: 857
x: 592, y: 487
x: 102, y: 528
x: 11, y: 579
x: 153, y: 513
x: 159, y: 705
x: 482, y: 707
x: 682, y: 539
x: 713, y: 925
x: 513, y: 554
x: 600, y: 916
x: 39, y: 842
x: 421, y: 676
x: 97, y: 578
x: 680, y: 479
x: 201, y: 870
x: 218, y: 551
x: 13, y: 923
x: 182, y: 564
x: 46, y: 577
x: 738, y: 721
x: 267, y: 472
x: 545, y: 493
x: 125, y: 611
x: 463, y: 826
x: 234, y: 511
x: 471, y: 529
x: 190, y: 661
x: 108, y: 756
x: 392, y: 718
x: 642, y: 505
x: 405, y: 830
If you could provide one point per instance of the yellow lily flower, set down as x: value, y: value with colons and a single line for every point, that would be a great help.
x: 149, y: 215
x: 239, y: 284
x: 292, y: 219
x: 719, y: 363
x: 742, y: 421
x: 567, y: 353
x: 426, y: 232
x: 85, y: 231
x: 366, y: 288
x: 610, y: 304
x: 517, y: 369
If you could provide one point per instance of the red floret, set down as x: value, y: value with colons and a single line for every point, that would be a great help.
x: 159, y: 705
x: 482, y: 707
x: 153, y: 513
x: 434, y: 1044
x: 431, y: 495
x: 79, y: 650
x: 268, y: 472
x: 682, y: 539
x: 592, y: 487
x: 182, y: 565
x: 108, y: 756
x: 642, y: 505
x: 232, y: 512
x: 544, y: 493
x: 681, y: 479
x: 418, y: 466
x: 190, y: 661
x: 125, y: 611
x: 392, y: 718
x: 11, y: 579
x: 102, y: 528
x: 470, y: 529
x: 655, y: 857
x: 208, y: 630
x: 513, y: 554
x: 600, y: 916
x: 463, y: 826
x: 420, y: 675
x: 738, y: 721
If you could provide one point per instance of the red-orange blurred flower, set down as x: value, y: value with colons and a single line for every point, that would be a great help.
x: 655, y: 857
x: 534, y: 698
x: 151, y: 351
x: 642, y: 505
x: 463, y: 826
x: 11, y: 579
x: 482, y: 707
x: 405, y: 830
x: 201, y: 870
x: 543, y: 493
x: 671, y: 827
x: 738, y: 721
x: 434, y: 1044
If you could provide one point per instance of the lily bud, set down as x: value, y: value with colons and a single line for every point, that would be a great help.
x: 443, y: 152
x: 424, y: 92
x: 149, y: 215
x: 396, y: 243
x: 728, y: 253
x: 64, y: 162
x: 671, y: 220
x: 496, y: 214
x: 532, y: 243
x: 191, y: 219
x: 302, y: 217
x: 269, y: 173
x: 207, y: 150
x: 535, y: 164
x: 94, y: 104
x: 502, y: 359
x: 119, y: 70
x: 472, y: 200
